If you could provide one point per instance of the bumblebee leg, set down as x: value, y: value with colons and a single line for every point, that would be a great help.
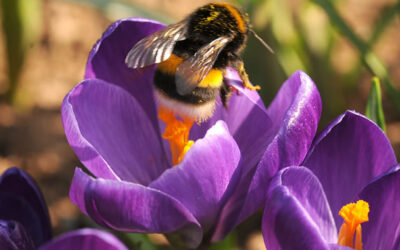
x: 239, y: 67
x: 225, y: 93
x: 177, y: 133
x: 234, y: 89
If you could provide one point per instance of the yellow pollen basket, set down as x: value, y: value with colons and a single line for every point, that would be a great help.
x: 213, y: 79
x: 177, y: 133
x: 353, y: 214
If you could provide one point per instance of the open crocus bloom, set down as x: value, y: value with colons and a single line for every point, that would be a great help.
x: 110, y: 120
x: 351, y: 160
x: 25, y: 223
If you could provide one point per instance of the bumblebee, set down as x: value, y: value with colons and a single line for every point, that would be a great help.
x: 192, y: 56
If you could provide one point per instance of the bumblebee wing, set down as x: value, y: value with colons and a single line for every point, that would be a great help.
x: 156, y: 47
x: 192, y: 71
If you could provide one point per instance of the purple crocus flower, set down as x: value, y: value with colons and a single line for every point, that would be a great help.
x: 110, y: 120
x: 350, y: 160
x: 25, y: 223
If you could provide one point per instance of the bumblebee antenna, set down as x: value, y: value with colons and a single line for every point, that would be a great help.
x: 262, y: 41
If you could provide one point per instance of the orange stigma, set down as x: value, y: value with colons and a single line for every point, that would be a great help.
x: 177, y: 133
x: 353, y: 214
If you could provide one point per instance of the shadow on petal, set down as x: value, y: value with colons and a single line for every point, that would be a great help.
x: 297, y: 214
x: 382, y: 194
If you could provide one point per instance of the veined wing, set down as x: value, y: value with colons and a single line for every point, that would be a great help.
x: 156, y: 47
x: 192, y: 71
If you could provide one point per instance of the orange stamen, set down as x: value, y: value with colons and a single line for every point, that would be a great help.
x: 353, y: 214
x: 177, y: 133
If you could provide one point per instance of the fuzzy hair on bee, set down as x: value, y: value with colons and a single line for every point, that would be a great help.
x: 191, y: 58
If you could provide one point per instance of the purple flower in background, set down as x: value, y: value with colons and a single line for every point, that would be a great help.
x: 350, y: 160
x: 25, y: 223
x: 110, y: 120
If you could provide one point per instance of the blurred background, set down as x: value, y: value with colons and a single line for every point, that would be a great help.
x: 44, y: 45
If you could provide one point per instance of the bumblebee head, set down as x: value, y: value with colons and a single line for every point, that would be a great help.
x: 218, y: 19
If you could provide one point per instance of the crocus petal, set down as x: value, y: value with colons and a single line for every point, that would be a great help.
x: 295, y: 113
x: 22, y: 201
x: 131, y: 207
x: 297, y: 214
x: 14, y: 237
x: 383, y: 196
x: 206, y: 176
x: 346, y: 156
x: 107, y: 61
x: 339, y: 247
x: 247, y: 121
x: 110, y: 133
x: 85, y: 239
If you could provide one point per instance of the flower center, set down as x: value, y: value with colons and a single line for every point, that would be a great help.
x: 353, y: 214
x: 177, y: 133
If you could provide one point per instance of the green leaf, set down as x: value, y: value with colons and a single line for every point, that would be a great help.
x: 21, y: 21
x: 136, y: 241
x: 230, y: 242
x: 374, y: 109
